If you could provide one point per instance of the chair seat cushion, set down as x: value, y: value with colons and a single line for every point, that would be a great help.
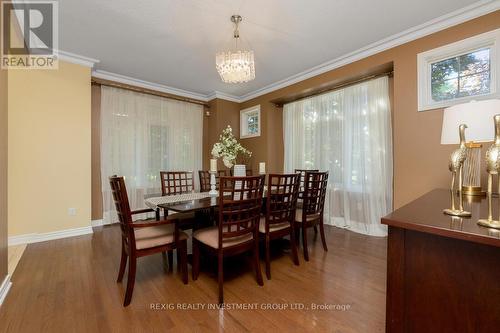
x: 210, y: 237
x: 148, y: 237
x: 309, y: 218
x: 272, y: 226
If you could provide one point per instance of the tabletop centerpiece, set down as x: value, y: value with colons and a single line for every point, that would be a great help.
x: 231, y: 152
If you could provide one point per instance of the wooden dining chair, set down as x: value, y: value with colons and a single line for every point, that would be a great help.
x: 311, y: 213
x: 302, y: 173
x: 145, y: 237
x: 176, y: 182
x: 205, y: 179
x: 279, y: 218
x: 240, y: 200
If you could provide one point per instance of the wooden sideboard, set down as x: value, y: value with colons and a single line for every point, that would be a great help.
x: 443, y: 272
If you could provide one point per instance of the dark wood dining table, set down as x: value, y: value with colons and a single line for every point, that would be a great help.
x: 189, y: 206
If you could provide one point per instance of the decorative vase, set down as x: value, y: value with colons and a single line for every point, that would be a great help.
x: 239, y: 170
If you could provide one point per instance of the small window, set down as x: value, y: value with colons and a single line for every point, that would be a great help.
x: 250, y: 122
x: 459, y: 72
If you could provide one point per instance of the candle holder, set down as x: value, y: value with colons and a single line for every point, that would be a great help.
x: 213, y: 192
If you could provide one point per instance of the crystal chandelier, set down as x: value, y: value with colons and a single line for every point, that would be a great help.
x: 237, y: 66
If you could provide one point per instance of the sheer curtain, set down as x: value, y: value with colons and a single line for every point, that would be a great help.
x: 142, y: 134
x: 347, y: 132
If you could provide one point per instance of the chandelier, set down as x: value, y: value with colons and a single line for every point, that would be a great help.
x: 237, y: 66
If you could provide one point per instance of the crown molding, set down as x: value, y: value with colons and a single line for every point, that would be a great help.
x: 76, y: 59
x: 149, y: 85
x: 221, y: 95
x: 440, y: 23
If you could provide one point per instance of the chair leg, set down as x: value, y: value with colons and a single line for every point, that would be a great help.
x: 183, y: 261
x: 196, y: 260
x: 322, y: 232
x: 220, y: 277
x: 256, y: 260
x: 178, y: 260
x: 132, y: 262
x: 315, y: 229
x: 293, y: 245
x: 170, y: 255
x: 123, y: 264
x: 164, y: 258
x: 297, y: 235
x: 304, y: 242
x: 268, y: 258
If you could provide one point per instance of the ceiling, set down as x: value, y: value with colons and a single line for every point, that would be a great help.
x: 173, y: 42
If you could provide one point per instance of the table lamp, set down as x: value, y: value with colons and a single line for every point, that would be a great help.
x: 477, y: 115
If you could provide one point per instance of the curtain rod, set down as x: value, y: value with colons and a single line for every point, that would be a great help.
x: 109, y: 83
x: 336, y: 87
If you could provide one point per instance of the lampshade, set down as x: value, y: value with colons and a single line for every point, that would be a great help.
x: 477, y: 115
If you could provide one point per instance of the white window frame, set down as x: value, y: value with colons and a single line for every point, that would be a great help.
x: 489, y: 39
x: 244, y: 122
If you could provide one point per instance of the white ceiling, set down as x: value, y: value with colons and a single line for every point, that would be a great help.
x: 173, y: 42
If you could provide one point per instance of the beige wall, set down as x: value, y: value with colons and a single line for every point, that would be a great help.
x: 3, y: 173
x: 49, y: 156
x: 420, y: 162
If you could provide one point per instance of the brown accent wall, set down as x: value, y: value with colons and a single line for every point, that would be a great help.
x: 420, y: 161
x: 3, y: 173
x: 222, y: 114
x: 96, y: 153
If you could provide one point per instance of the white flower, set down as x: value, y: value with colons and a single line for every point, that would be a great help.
x: 228, y: 148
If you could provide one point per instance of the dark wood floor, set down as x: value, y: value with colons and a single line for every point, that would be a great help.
x: 69, y: 285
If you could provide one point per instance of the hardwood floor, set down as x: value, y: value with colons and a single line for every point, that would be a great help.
x: 68, y: 285
x: 15, y: 253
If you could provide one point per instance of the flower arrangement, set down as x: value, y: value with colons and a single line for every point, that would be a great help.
x: 229, y: 149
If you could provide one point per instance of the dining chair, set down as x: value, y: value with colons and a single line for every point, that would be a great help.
x: 205, y: 179
x: 311, y: 213
x: 279, y: 218
x: 176, y: 182
x: 302, y: 173
x: 240, y: 200
x: 144, y: 237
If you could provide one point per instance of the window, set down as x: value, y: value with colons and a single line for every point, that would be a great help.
x: 347, y: 132
x: 250, y: 122
x: 459, y: 72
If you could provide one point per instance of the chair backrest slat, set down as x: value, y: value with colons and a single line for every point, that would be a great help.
x: 240, y: 201
x: 176, y: 182
x: 282, y: 194
x: 120, y: 197
x: 302, y: 173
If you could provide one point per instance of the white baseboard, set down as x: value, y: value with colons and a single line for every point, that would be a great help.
x: 4, y: 288
x: 97, y: 223
x: 100, y: 223
x: 35, y: 238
